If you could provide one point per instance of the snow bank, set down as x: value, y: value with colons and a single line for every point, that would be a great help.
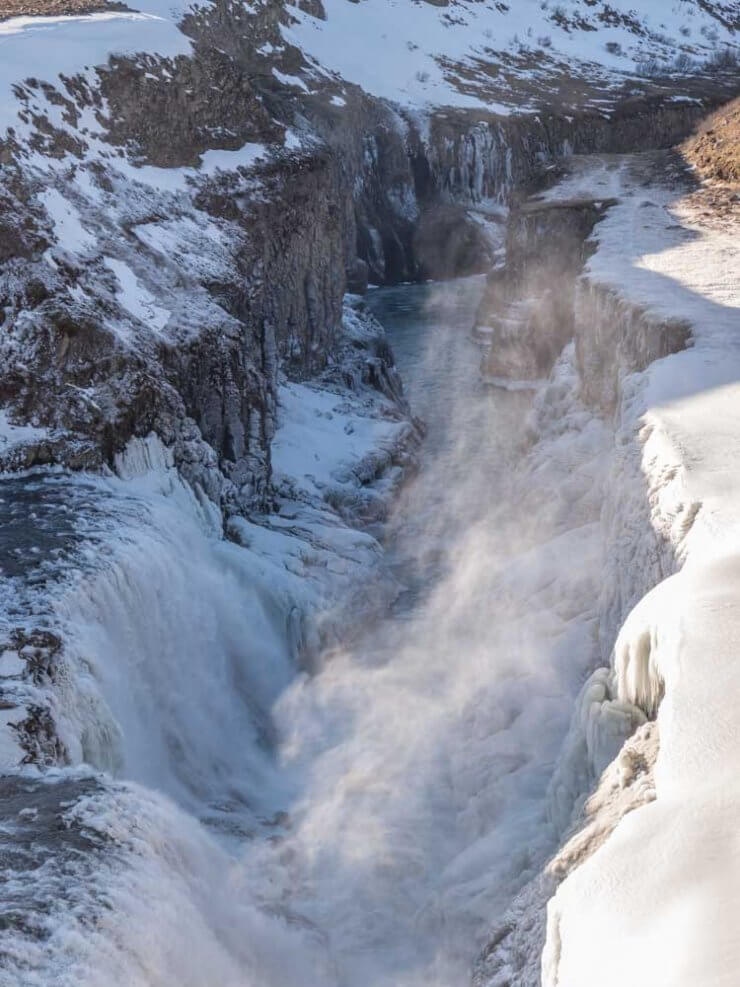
x: 659, y: 898
x: 11, y: 434
x: 135, y: 298
x: 323, y: 440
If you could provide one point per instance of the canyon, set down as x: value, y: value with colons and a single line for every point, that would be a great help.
x: 368, y: 469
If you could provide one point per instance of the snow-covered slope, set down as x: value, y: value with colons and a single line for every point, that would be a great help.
x: 494, y: 56
x: 48, y: 47
x: 503, y: 56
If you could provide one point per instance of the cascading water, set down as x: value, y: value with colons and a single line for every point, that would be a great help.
x: 363, y: 824
x: 190, y: 651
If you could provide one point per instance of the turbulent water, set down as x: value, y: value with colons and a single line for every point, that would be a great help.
x: 358, y: 826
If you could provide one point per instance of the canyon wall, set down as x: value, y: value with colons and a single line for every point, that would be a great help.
x: 346, y: 188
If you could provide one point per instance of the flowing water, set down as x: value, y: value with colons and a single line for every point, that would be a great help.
x: 360, y: 826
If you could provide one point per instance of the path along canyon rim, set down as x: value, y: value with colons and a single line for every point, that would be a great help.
x: 369, y: 471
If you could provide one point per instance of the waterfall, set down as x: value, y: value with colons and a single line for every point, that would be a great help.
x: 175, y: 650
x: 361, y: 825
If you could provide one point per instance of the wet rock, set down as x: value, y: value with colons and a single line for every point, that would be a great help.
x: 357, y: 277
x: 527, y: 313
x: 313, y: 7
x: 448, y: 243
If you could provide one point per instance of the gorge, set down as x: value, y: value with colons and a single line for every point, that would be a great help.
x: 368, y: 448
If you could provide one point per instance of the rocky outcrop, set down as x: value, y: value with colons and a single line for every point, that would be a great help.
x: 714, y: 149
x: 614, y: 339
x: 446, y: 174
x: 527, y: 311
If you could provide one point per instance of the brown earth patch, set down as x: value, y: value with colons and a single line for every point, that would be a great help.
x: 714, y: 150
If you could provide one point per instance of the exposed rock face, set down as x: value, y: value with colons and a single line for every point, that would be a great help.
x: 536, y: 301
x: 472, y: 163
x: 640, y: 340
x: 527, y: 312
x: 449, y: 240
x: 343, y: 190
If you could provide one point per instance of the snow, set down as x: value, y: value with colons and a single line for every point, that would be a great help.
x: 179, y: 179
x: 373, y: 45
x: 175, y: 239
x: 10, y: 750
x: 411, y: 52
x: 135, y: 298
x: 292, y: 140
x: 142, y: 456
x: 290, y: 80
x: 11, y: 664
x: 47, y: 47
x: 660, y: 897
x: 322, y: 442
x: 70, y: 233
x: 196, y: 243
x: 222, y: 160
x: 11, y: 435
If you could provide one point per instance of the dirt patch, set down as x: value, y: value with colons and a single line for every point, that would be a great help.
x: 53, y: 8
x: 714, y: 150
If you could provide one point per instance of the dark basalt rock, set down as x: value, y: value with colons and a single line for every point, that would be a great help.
x: 529, y: 303
x: 448, y: 242
x: 356, y: 277
x: 369, y: 197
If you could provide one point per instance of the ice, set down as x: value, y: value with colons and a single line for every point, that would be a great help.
x: 186, y: 674
x: 142, y: 456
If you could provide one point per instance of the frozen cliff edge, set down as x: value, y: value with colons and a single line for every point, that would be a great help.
x: 647, y: 871
x: 668, y: 874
